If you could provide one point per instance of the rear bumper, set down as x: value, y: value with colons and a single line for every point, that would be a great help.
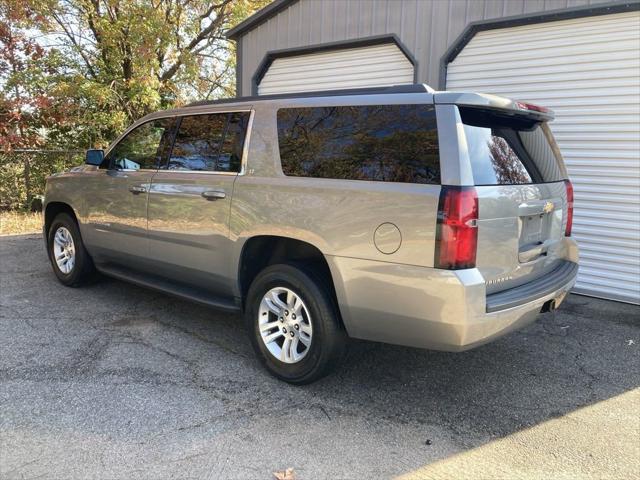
x: 436, y: 309
x: 485, y: 328
x: 547, y: 285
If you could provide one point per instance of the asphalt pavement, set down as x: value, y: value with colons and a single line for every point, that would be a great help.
x: 116, y: 382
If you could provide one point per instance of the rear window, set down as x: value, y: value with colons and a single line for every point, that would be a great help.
x: 508, y: 150
x: 386, y: 143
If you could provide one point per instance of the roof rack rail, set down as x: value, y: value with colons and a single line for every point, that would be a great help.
x: 411, y: 88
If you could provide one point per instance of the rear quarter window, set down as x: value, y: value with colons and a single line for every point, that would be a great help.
x: 386, y: 143
x: 507, y: 150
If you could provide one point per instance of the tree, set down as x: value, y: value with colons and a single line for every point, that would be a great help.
x: 75, y: 73
x: 25, y: 106
x: 113, y: 61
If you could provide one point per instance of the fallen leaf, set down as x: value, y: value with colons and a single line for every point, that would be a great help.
x: 287, y: 474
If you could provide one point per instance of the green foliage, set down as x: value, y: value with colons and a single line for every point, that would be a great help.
x: 97, y: 65
x: 75, y: 73
x: 23, y: 174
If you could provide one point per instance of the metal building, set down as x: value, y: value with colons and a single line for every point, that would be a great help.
x: 579, y: 57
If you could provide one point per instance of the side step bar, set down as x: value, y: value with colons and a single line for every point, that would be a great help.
x: 185, y: 292
x: 531, y: 291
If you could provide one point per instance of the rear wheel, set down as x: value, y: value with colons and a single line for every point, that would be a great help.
x: 70, y: 260
x: 293, y: 324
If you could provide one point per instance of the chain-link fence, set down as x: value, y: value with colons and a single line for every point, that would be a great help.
x: 23, y: 174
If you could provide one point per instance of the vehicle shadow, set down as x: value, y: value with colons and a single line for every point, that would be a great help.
x: 568, y: 359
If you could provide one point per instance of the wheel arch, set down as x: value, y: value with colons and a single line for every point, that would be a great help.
x: 53, y: 209
x: 260, y: 251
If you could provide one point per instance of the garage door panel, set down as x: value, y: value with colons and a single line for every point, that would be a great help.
x: 608, y: 21
x: 616, y: 93
x: 329, y: 85
x: 616, y: 155
x: 372, y: 66
x: 588, y: 71
x: 623, y: 252
x: 558, y: 84
x: 543, y: 49
x: 284, y: 80
x: 498, y: 64
x: 549, y: 73
x: 304, y: 71
x: 629, y: 210
x: 540, y: 30
x: 337, y: 60
x: 590, y: 35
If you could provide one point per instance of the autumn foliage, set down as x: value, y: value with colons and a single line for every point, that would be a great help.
x: 75, y: 73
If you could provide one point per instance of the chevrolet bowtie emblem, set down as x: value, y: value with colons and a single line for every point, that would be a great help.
x: 548, y: 207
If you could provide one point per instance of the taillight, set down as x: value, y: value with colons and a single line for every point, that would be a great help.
x: 569, y: 188
x: 457, y: 230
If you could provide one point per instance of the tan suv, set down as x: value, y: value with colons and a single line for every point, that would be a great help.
x: 430, y: 219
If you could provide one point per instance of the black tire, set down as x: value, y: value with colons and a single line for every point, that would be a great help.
x: 329, y: 339
x: 83, y: 272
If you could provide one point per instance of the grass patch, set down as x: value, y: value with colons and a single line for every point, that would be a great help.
x: 20, y: 223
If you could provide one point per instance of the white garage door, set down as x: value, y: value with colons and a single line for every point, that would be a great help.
x: 588, y: 71
x: 373, y: 66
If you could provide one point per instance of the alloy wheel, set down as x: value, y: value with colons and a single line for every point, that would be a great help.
x: 285, y: 325
x: 64, y: 251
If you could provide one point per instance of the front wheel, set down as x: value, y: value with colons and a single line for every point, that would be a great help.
x: 70, y: 260
x: 293, y: 324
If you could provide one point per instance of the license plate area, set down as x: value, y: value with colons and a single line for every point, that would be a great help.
x: 535, y: 229
x: 540, y: 223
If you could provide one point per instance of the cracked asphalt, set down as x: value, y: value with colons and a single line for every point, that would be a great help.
x: 117, y: 382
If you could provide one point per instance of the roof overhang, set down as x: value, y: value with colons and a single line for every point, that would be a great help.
x: 257, y: 18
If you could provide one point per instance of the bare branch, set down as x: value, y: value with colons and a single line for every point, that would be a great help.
x: 81, y: 51
x: 215, y: 24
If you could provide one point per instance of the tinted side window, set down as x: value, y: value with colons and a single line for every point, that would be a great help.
x: 209, y: 142
x: 142, y: 147
x: 230, y: 158
x: 388, y: 143
x: 198, y: 142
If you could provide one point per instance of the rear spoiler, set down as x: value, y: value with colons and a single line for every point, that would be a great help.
x: 494, y: 102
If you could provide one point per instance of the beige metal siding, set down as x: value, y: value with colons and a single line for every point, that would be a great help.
x: 426, y: 27
x: 588, y: 71
x: 372, y: 66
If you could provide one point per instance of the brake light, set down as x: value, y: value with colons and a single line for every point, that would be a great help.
x: 532, y: 107
x: 457, y: 229
x: 569, y: 188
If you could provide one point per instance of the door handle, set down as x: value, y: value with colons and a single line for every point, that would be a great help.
x: 136, y: 189
x: 532, y: 252
x: 213, y: 194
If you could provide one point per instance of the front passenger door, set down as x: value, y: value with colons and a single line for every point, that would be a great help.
x: 190, y: 200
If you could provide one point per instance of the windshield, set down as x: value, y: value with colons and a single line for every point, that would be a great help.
x: 510, y: 150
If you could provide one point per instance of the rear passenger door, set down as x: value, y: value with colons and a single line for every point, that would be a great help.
x: 190, y: 200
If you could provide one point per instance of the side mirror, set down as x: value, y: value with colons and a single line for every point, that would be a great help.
x: 94, y: 157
